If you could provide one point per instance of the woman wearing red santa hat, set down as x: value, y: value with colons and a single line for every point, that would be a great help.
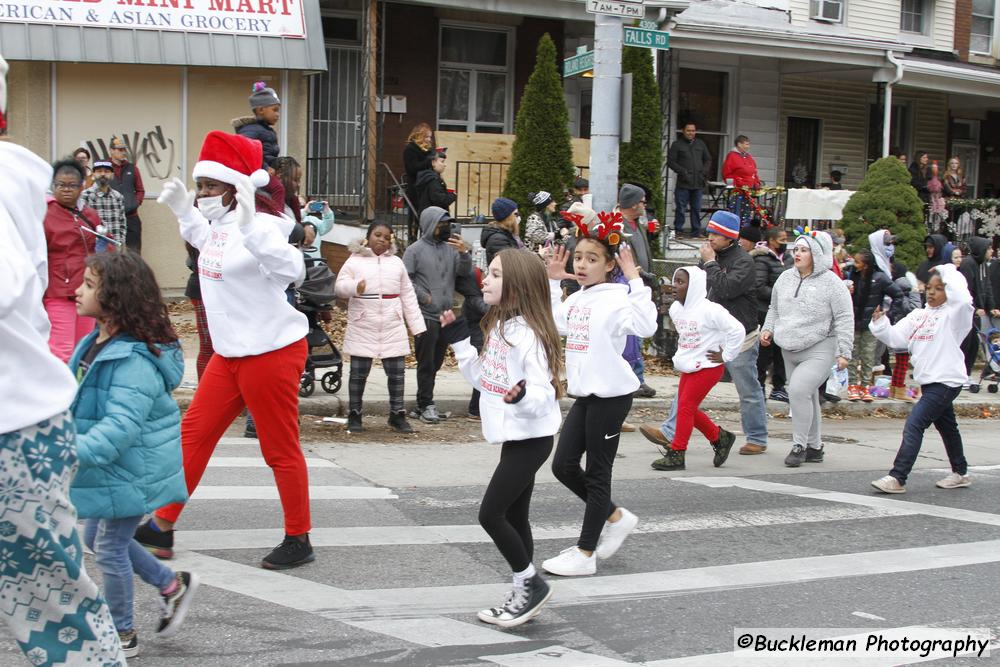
x: 245, y: 264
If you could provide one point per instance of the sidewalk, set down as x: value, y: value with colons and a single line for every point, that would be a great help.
x: 452, y: 392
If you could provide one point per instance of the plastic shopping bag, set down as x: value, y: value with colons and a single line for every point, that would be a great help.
x: 837, y: 383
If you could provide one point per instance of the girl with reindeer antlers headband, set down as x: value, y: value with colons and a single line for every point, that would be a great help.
x: 596, y: 322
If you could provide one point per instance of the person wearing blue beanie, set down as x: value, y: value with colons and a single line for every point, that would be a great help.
x: 503, y: 208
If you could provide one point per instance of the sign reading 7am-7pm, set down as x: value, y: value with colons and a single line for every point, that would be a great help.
x: 628, y: 8
x: 265, y: 18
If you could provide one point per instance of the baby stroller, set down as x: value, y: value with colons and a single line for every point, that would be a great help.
x: 991, y: 369
x: 312, y: 298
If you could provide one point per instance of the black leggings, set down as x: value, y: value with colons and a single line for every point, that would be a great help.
x: 594, y: 426
x: 503, y: 513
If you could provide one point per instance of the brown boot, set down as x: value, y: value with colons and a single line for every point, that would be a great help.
x: 899, y: 394
x: 655, y: 435
x: 750, y: 448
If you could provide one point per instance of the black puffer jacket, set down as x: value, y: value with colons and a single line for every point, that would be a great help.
x: 494, y: 239
x: 732, y: 283
x: 924, y: 270
x: 432, y: 191
x: 252, y: 128
x: 976, y: 274
x: 767, y: 268
x: 870, y: 294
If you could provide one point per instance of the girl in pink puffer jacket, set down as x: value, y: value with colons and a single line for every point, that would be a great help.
x: 381, y: 297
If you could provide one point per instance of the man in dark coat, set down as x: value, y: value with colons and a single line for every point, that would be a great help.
x: 771, y: 259
x: 690, y: 159
x: 128, y: 181
x: 976, y: 271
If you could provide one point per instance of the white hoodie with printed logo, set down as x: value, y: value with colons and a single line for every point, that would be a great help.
x: 510, y: 356
x: 703, y: 326
x: 596, y: 322
x: 934, y: 335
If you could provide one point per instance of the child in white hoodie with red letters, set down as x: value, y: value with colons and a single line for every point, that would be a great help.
x: 708, y: 337
x: 933, y: 335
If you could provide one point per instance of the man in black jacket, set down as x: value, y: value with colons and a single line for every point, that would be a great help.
x: 430, y: 187
x: 732, y: 284
x: 690, y: 159
x: 771, y: 261
x: 128, y: 181
x: 976, y: 272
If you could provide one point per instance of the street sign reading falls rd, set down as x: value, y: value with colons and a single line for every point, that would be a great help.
x: 650, y: 39
x: 627, y: 8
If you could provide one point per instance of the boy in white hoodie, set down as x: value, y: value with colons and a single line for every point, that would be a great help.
x: 934, y: 336
x: 708, y: 337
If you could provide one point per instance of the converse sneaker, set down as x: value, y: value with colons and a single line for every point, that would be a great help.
x: 615, y: 533
x: 673, y: 459
x: 398, y: 423
x: 814, y: 455
x: 571, y: 563
x: 160, y: 543
x: 796, y: 456
x: 354, y: 422
x: 429, y: 415
x: 520, y: 606
x: 722, y: 446
x: 130, y: 643
x: 954, y: 481
x: 292, y: 552
x: 889, y: 484
x: 174, y: 606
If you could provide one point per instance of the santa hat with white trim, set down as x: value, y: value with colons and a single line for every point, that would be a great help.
x: 226, y: 157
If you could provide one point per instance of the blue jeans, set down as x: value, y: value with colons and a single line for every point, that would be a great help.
x: 118, y: 556
x: 682, y: 198
x: 934, y: 407
x: 753, y: 416
x: 639, y: 368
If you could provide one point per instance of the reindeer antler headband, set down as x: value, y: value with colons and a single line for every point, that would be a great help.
x: 609, y: 229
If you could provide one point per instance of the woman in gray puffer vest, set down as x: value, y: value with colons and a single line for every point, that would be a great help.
x: 811, y: 318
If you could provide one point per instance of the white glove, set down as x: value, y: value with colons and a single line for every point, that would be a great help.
x: 246, y: 205
x: 177, y: 197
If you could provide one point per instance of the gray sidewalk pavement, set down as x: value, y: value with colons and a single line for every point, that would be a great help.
x: 452, y: 392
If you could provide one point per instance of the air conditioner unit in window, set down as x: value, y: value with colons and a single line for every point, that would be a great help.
x: 829, y: 11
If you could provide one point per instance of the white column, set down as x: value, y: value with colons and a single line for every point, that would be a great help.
x: 606, y: 111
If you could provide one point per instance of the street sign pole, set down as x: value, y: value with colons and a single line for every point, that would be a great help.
x: 605, y: 124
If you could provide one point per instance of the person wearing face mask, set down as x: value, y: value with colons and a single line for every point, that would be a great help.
x: 245, y: 263
x: 433, y: 263
x: 883, y: 249
x: 109, y: 204
x: 770, y: 259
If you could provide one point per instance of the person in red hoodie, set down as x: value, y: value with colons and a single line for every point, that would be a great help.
x: 741, y: 169
x: 70, y: 235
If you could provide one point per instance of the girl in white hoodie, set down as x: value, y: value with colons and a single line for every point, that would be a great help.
x: 934, y: 336
x: 708, y: 337
x: 596, y: 321
x: 517, y: 376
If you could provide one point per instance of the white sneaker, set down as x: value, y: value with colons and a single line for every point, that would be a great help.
x: 889, y: 484
x: 615, y: 533
x: 571, y: 563
x: 954, y: 481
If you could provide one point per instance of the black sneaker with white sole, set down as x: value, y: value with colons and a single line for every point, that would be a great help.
x: 160, y: 543
x: 520, y: 606
x: 130, y: 643
x: 292, y: 552
x: 795, y: 457
x: 814, y: 455
x: 174, y: 606
x: 722, y: 447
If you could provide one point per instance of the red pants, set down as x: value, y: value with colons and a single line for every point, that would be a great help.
x: 68, y: 328
x: 691, y: 391
x: 267, y: 384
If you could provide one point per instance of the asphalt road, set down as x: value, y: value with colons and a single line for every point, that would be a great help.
x: 402, y: 565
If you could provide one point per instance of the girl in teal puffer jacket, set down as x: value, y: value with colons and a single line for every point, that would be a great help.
x: 128, y: 440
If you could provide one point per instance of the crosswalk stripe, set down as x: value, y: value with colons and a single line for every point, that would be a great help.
x: 878, y: 502
x: 438, y: 631
x: 554, y: 655
x: 258, y: 462
x: 207, y: 492
x: 203, y: 540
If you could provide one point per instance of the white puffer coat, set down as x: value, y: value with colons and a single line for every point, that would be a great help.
x: 375, y: 323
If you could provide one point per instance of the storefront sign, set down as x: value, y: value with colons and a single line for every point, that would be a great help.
x: 264, y: 18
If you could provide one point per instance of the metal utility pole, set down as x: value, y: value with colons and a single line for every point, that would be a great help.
x: 605, y: 123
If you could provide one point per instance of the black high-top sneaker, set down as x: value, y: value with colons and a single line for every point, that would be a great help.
x: 520, y: 606
x: 354, y: 422
x: 722, y: 447
x: 398, y: 423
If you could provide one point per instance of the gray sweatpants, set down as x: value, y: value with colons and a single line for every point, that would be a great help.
x: 808, y: 369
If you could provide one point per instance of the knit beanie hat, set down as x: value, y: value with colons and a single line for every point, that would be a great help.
x: 502, y: 208
x: 630, y: 195
x: 262, y: 96
x: 588, y: 216
x: 540, y: 199
x: 3, y: 96
x: 228, y: 157
x: 751, y: 233
x: 724, y: 223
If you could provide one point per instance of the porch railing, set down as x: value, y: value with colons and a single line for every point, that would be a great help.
x: 335, y: 179
x: 477, y: 184
x: 966, y: 217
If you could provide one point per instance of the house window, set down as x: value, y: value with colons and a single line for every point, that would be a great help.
x: 473, y: 80
x: 702, y: 100
x: 981, y: 39
x: 912, y: 16
x: 829, y: 11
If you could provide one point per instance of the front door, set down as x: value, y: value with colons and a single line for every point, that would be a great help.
x: 801, y: 152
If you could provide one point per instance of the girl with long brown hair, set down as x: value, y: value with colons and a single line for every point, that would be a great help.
x: 517, y: 375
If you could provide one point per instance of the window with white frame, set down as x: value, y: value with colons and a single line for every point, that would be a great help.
x: 914, y: 15
x: 829, y: 11
x: 473, y: 79
x: 983, y: 15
